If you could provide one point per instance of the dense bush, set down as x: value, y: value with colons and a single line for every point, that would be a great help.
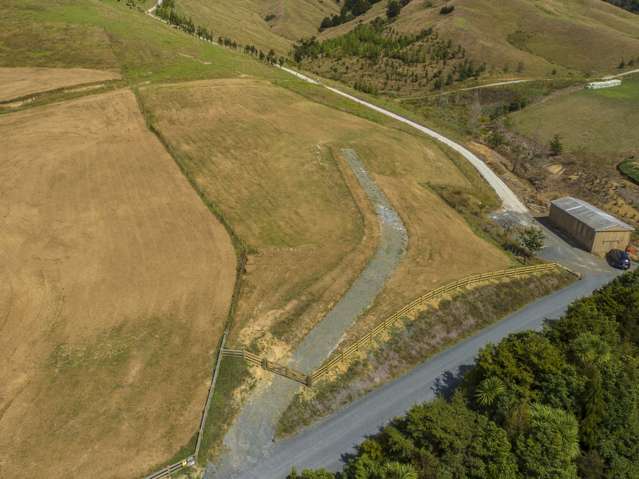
x: 630, y: 5
x: 561, y: 403
x: 350, y: 9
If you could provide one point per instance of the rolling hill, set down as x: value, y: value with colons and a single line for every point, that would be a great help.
x: 515, y: 38
x: 121, y: 279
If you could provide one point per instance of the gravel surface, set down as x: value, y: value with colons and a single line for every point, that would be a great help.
x: 250, y: 437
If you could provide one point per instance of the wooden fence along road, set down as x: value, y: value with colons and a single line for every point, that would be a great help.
x: 366, y: 341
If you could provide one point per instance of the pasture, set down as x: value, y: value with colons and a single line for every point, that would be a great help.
x: 267, y: 157
x: 117, y: 285
x: 525, y: 38
x: 20, y: 82
x: 266, y: 24
x: 603, y: 122
x: 107, y: 35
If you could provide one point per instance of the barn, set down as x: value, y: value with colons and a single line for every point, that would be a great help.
x: 593, y: 229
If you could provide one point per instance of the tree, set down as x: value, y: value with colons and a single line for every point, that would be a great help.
x: 550, y: 445
x: 531, y: 239
x: 397, y: 470
x: 393, y: 9
x: 556, y: 147
x: 489, y: 390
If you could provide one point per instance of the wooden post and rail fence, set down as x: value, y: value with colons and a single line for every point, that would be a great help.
x: 366, y: 341
x: 361, y: 344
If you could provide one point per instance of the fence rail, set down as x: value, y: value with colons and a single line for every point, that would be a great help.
x: 368, y: 339
x: 172, y: 469
x: 264, y: 363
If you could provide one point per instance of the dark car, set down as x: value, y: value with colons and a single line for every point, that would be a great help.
x: 618, y: 259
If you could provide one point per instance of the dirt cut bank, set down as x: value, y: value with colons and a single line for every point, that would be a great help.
x: 117, y: 282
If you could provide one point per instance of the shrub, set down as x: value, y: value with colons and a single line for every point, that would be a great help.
x: 446, y: 9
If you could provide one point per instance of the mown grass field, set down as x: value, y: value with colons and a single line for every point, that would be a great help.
x: 261, y: 158
x: 20, y: 82
x: 595, y: 121
x: 117, y: 283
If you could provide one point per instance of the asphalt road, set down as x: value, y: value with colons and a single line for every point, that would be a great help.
x: 323, y: 445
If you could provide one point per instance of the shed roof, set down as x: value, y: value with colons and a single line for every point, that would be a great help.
x: 590, y: 215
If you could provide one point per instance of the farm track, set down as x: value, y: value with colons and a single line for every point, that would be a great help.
x: 251, y: 435
x: 510, y: 201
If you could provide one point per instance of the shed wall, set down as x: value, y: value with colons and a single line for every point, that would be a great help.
x: 607, y: 240
x: 578, y: 231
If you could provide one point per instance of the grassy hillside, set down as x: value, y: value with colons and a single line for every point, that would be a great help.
x: 579, y: 37
x: 269, y: 158
x: 107, y: 35
x: 263, y: 157
x: 264, y: 23
x: 596, y: 121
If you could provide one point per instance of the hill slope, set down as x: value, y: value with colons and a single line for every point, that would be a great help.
x: 264, y: 23
x: 587, y: 36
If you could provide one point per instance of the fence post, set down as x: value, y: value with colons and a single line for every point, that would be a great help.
x: 216, y: 371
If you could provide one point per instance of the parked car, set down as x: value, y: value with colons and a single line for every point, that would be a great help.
x: 618, y: 259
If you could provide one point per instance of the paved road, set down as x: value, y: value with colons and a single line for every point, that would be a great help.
x: 324, y: 444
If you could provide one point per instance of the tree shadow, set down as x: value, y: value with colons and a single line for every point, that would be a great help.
x: 446, y: 384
